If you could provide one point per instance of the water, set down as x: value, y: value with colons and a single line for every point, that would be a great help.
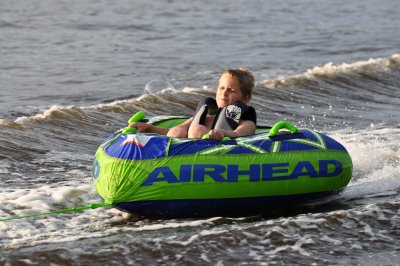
x: 72, y: 72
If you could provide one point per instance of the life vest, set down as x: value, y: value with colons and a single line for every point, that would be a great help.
x: 225, y: 118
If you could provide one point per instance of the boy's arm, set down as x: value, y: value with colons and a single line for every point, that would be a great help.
x: 180, y: 131
x: 149, y: 128
x: 245, y: 128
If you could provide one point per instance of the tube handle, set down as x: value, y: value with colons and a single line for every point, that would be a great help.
x: 282, y: 125
x: 135, y: 118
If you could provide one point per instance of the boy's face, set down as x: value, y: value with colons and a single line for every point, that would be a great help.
x: 229, y: 92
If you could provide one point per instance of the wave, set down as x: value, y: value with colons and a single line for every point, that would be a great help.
x: 378, y: 67
x: 322, y: 97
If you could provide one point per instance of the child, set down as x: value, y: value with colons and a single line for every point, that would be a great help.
x: 234, y: 92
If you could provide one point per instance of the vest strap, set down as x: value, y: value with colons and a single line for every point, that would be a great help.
x: 228, y: 117
x: 206, y: 106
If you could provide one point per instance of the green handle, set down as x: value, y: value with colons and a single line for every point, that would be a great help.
x: 135, y: 118
x: 207, y: 136
x: 280, y: 125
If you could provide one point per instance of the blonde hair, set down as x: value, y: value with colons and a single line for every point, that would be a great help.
x: 245, y: 78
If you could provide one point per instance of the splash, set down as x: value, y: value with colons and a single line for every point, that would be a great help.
x: 158, y: 86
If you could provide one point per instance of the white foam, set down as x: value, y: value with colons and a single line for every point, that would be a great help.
x: 376, y: 161
x: 172, y: 224
x: 4, y: 165
x: 188, y: 242
x: 23, y: 202
x: 384, y: 64
x: 43, y: 116
x: 212, y: 232
x: 71, y: 226
x: 373, y: 65
x: 375, y: 152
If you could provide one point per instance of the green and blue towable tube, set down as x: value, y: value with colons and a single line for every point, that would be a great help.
x: 158, y: 176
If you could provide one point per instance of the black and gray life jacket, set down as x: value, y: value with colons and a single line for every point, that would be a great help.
x: 225, y: 118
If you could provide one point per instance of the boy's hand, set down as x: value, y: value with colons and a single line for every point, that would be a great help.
x: 216, y: 134
x: 140, y: 126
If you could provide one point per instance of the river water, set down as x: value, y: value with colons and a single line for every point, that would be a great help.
x: 72, y: 72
